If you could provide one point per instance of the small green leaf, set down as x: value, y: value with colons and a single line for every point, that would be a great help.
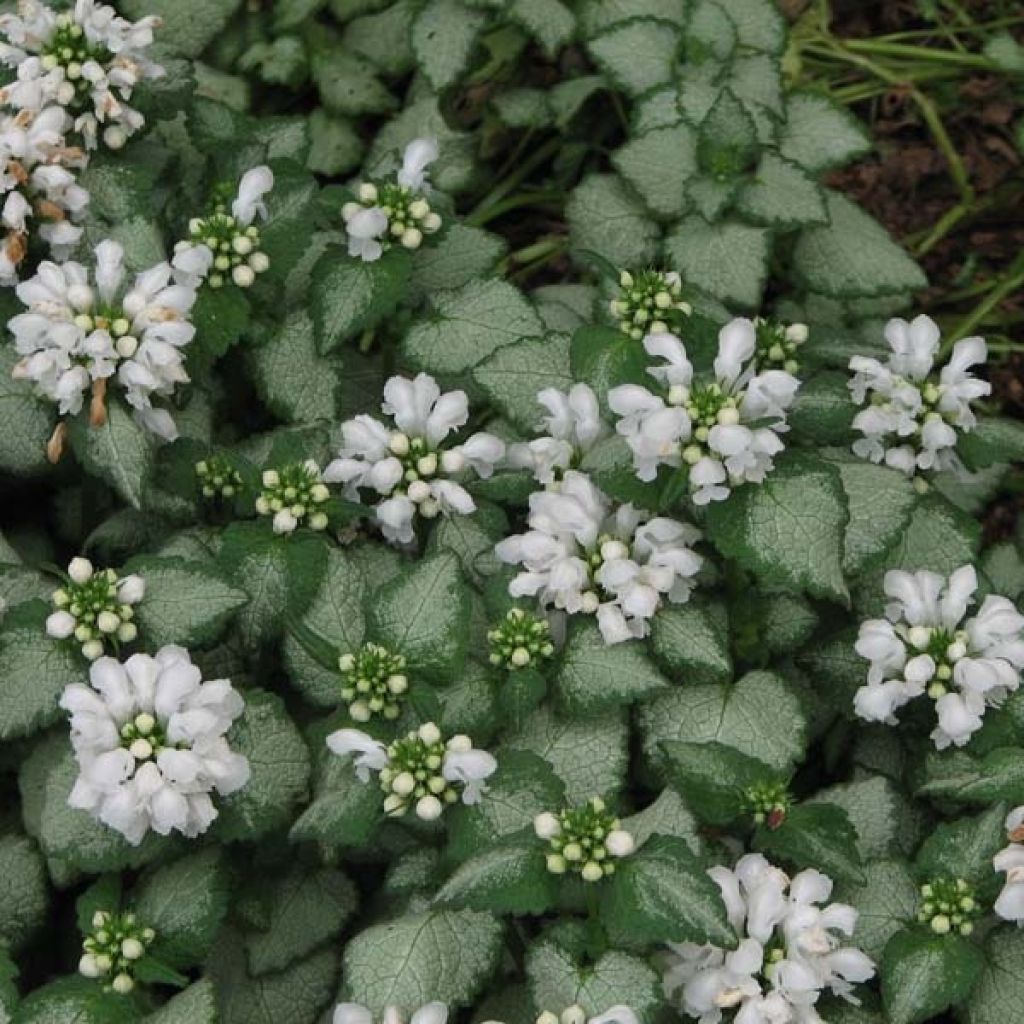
x: 727, y: 139
x: 76, y: 1000
x: 638, y: 54
x: 605, y: 357
x: 120, y: 452
x: 442, y: 955
x: 788, y: 529
x: 605, y: 218
x: 781, y: 196
x: 658, y: 164
x: 195, y: 1005
x: 23, y: 890
x: 999, y: 775
x: 443, y: 36
x: 344, y: 813
x: 662, y: 893
x: 998, y: 996
x: 727, y: 260
x: 818, y: 134
x: 510, y: 878
x: 886, y: 902
x: 221, y: 316
x: 924, y: 974
x: 815, y: 836
x: 964, y: 848
x: 993, y: 441
x: 26, y: 420
x: 693, y: 640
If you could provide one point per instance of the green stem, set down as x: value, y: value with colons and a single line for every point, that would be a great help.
x: 924, y: 54
x: 481, y: 212
x: 539, y: 198
x: 1013, y: 280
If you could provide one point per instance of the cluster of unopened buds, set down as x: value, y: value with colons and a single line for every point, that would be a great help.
x: 373, y: 682
x: 235, y: 248
x: 948, y: 905
x: 767, y: 803
x: 113, y: 948
x: 293, y: 495
x: 218, y: 478
x: 521, y: 639
x: 414, y: 777
x: 95, y: 607
x: 649, y: 302
x: 409, y: 216
x: 777, y: 344
x: 586, y: 840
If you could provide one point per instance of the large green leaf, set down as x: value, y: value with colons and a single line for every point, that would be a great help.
x: 923, y: 974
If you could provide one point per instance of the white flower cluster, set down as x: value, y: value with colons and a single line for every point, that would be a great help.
x: 396, y: 210
x: 912, y: 417
x: 725, y: 430
x: 78, y: 334
x: 926, y: 644
x: 575, y: 1014
x: 96, y: 608
x: 37, y: 182
x: 582, y: 555
x: 419, y: 770
x: 112, y: 950
x: 149, y: 739
x: 791, y: 950
x: 409, y: 465
x: 649, y: 302
x: 226, y: 244
x: 586, y: 840
x: 86, y: 61
x: 1010, y: 861
x: 293, y: 495
x: 353, y: 1013
x: 573, y: 426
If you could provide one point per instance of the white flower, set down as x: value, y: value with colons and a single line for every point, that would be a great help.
x: 353, y: 1013
x: 926, y: 644
x: 581, y: 556
x: 575, y: 1014
x: 149, y: 739
x: 418, y: 770
x: 37, y: 185
x: 77, y: 335
x: 789, y: 951
x: 226, y: 244
x: 87, y: 60
x: 409, y: 465
x: 394, y: 211
x: 573, y: 425
x: 1010, y: 861
x: 912, y: 418
x: 726, y: 430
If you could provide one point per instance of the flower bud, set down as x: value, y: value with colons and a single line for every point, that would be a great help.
x: 92, y: 649
x: 556, y: 863
x: 399, y: 444
x: 418, y: 209
x: 367, y: 192
x: 614, y: 549
x: 797, y: 333
x: 429, y: 733
x: 115, y: 137
x: 271, y: 478
x: 520, y: 657
x: 619, y: 843
x: 403, y: 784
x: 80, y: 570
x: 460, y: 744
x: 728, y: 417
x: 574, y: 1014
x: 920, y: 637
x: 284, y: 522
x: 592, y: 872
x: 431, y: 223
x: 80, y: 297
x: 259, y: 262
x: 547, y: 1017
x: 428, y: 808
x: 412, y: 238
x: 426, y: 465
x: 394, y: 805
x: 108, y: 622
x: 397, y: 684
x: 132, y: 949
x: 141, y: 749
x: 122, y: 984
x: 418, y: 491
x: 956, y: 650
x: 547, y: 825
x: 242, y: 244
x: 589, y: 603
x: 88, y: 967
x: 453, y: 462
x: 243, y: 275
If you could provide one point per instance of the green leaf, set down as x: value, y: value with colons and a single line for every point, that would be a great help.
x: 727, y: 260
x: 187, y: 25
x: 877, y: 811
x: 964, y: 848
x: 886, y: 902
x: 818, y: 134
x: 788, y: 529
x: 605, y: 218
x: 221, y: 316
x: 589, y: 755
x: 348, y: 296
x: 195, y: 1005
x: 998, y: 996
x: 442, y: 955
x: 297, y: 383
x: 23, y: 890
x: 336, y: 148
x: 993, y: 441
x: 759, y: 715
x: 26, y: 421
x: 510, y: 878
x: 344, y: 812
x: 296, y: 995
x: 923, y: 974
x: 594, y: 676
x: 34, y: 669
x: 693, y: 640
x: 637, y: 55
x: 658, y: 164
x: 781, y: 196
x: 469, y: 325
x: 759, y: 24
x: 335, y: 616
x: 999, y: 775
x: 662, y: 893
x: 881, y: 501
x: 605, y: 357
x: 349, y: 84
x: 443, y: 36
x: 76, y: 1000
x: 424, y: 615
x: 512, y: 376
x: 714, y: 778
x: 852, y: 256
x: 120, y: 452
x: 459, y: 255
x: 306, y: 908
x: 727, y: 139
x: 522, y: 787
x: 615, y: 979
x: 279, y: 762
x: 184, y: 902
x: 815, y: 836
x: 186, y: 603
